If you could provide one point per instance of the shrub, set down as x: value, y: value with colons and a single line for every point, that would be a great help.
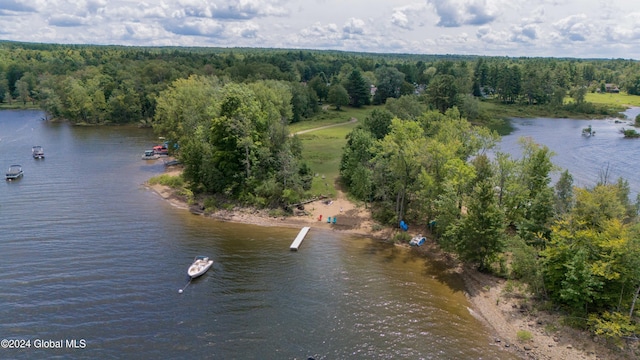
x: 167, y: 180
x: 629, y: 133
x: 401, y: 237
x: 524, y: 335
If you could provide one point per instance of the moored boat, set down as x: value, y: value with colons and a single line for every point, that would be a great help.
x: 161, y: 150
x: 37, y: 152
x: 14, y: 172
x: 200, y: 266
x: 150, y: 155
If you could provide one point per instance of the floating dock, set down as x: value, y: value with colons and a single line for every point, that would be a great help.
x: 298, y: 240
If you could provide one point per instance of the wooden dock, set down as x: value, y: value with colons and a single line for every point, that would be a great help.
x: 298, y: 240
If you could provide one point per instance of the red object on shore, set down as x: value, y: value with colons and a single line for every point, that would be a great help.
x: 320, y: 217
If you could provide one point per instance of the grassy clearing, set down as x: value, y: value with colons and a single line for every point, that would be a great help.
x: 331, y: 116
x: 322, y: 149
x: 615, y: 100
x: 323, y: 152
x: 17, y: 105
x: 494, y: 109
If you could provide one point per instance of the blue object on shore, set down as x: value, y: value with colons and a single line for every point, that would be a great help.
x: 335, y: 219
x: 404, y: 226
x: 329, y: 220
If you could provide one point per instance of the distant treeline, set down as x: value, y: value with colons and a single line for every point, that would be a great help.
x: 115, y: 84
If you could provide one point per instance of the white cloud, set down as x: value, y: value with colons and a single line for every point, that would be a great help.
x: 195, y: 27
x: 581, y: 28
x: 247, y: 30
x: 10, y: 6
x: 406, y: 17
x: 94, y: 6
x: 524, y: 34
x: 574, y: 28
x: 66, y: 20
x: 401, y: 20
x: 318, y: 30
x: 247, y: 9
x: 455, y: 13
x: 353, y: 27
x: 626, y: 29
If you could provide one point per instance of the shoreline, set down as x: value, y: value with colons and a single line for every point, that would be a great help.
x: 504, y: 313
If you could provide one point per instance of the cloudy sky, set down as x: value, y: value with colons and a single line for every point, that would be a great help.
x: 557, y: 28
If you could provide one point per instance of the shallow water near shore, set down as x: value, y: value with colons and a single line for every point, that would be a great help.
x: 88, y: 253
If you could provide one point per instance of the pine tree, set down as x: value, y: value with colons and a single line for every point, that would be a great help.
x: 358, y: 90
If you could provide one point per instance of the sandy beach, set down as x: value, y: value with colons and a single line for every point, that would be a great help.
x: 504, y: 313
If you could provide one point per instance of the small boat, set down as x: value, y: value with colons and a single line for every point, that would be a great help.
x: 14, y: 172
x: 161, y: 150
x: 200, y: 266
x: 150, y: 155
x: 417, y: 240
x: 173, y: 162
x: 37, y: 152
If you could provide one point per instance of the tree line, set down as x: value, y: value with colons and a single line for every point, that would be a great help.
x: 111, y: 84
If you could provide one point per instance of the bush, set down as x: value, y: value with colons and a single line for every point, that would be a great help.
x: 612, y: 325
x: 630, y: 133
x: 210, y: 204
x: 173, y: 182
x: 524, y: 335
x: 402, y: 237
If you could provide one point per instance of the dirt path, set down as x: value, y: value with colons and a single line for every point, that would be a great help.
x: 351, y: 121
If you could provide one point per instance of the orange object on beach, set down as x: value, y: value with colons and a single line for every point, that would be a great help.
x: 320, y: 217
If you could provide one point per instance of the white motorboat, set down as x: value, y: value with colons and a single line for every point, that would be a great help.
x: 200, y: 266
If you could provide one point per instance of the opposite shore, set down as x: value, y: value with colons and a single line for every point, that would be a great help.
x: 505, y: 313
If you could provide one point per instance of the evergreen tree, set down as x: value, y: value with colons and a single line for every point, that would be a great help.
x: 480, y: 236
x: 358, y: 90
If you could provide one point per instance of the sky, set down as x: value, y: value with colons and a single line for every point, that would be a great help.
x: 535, y: 28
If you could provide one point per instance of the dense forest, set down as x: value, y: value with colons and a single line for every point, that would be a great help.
x: 419, y: 157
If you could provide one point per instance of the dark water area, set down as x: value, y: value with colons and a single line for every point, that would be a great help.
x: 87, y: 253
x: 588, y: 158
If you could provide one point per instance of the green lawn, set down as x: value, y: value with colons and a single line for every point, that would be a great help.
x: 620, y: 99
x: 17, y: 105
x: 322, y: 149
x: 605, y: 106
x: 332, y: 116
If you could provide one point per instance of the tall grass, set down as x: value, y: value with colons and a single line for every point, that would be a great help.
x: 174, y: 182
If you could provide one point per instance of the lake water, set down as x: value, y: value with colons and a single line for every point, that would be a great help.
x: 87, y: 253
x: 586, y: 158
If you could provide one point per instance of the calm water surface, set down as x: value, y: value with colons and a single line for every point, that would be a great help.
x: 586, y: 158
x: 87, y: 253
